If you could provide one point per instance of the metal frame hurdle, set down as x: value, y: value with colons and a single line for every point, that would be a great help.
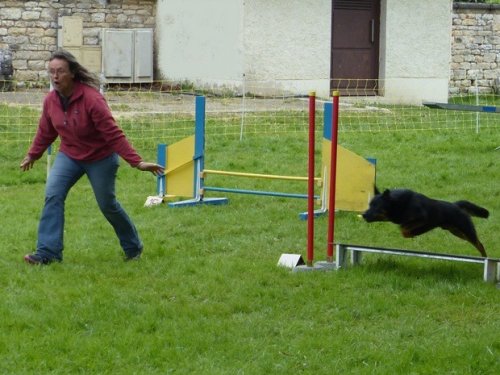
x: 491, y: 266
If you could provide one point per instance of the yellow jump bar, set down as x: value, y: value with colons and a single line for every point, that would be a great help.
x: 269, y: 176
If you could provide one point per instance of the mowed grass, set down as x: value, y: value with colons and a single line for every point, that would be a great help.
x: 208, y: 297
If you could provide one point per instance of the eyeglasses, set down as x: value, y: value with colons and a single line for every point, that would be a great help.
x: 58, y: 72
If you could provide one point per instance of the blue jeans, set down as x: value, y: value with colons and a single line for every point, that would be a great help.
x: 102, y: 175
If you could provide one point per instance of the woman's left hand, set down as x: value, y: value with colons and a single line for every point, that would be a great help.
x: 154, y: 168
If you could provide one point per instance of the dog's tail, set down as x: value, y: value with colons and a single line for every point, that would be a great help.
x: 472, y: 209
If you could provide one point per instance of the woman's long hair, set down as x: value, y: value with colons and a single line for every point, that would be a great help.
x: 81, y: 73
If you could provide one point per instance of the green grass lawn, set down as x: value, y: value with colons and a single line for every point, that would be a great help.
x: 208, y: 298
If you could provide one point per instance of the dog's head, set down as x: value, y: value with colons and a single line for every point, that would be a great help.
x: 380, y: 207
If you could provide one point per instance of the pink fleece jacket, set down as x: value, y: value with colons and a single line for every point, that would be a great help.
x: 87, y: 129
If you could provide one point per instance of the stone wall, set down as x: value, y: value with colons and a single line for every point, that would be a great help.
x: 29, y: 28
x: 475, y: 48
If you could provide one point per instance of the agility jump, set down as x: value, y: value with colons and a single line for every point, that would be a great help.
x: 185, y: 172
x: 352, y: 176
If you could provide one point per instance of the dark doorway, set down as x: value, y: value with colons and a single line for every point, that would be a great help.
x: 355, y: 46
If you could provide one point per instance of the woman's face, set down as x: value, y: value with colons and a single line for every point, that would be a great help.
x: 61, y: 77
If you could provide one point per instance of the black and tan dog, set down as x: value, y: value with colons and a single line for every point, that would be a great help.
x: 417, y: 214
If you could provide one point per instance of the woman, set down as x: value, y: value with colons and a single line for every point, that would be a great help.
x: 91, y: 142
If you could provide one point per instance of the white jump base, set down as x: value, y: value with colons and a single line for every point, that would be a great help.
x: 491, y: 266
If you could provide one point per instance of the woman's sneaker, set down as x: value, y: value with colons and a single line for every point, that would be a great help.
x: 36, y: 259
x: 135, y: 256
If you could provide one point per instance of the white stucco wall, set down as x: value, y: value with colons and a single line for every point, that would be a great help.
x: 415, y: 50
x: 288, y: 41
x: 278, y: 44
x: 200, y: 40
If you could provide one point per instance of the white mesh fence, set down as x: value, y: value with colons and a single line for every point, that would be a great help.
x: 161, y: 112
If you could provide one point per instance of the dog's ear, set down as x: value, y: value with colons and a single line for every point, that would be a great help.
x: 376, y: 190
x: 386, y: 193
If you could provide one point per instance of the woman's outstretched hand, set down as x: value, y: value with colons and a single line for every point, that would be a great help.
x: 155, y: 169
x: 27, y: 163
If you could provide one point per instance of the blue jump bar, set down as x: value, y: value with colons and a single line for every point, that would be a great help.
x: 257, y: 192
